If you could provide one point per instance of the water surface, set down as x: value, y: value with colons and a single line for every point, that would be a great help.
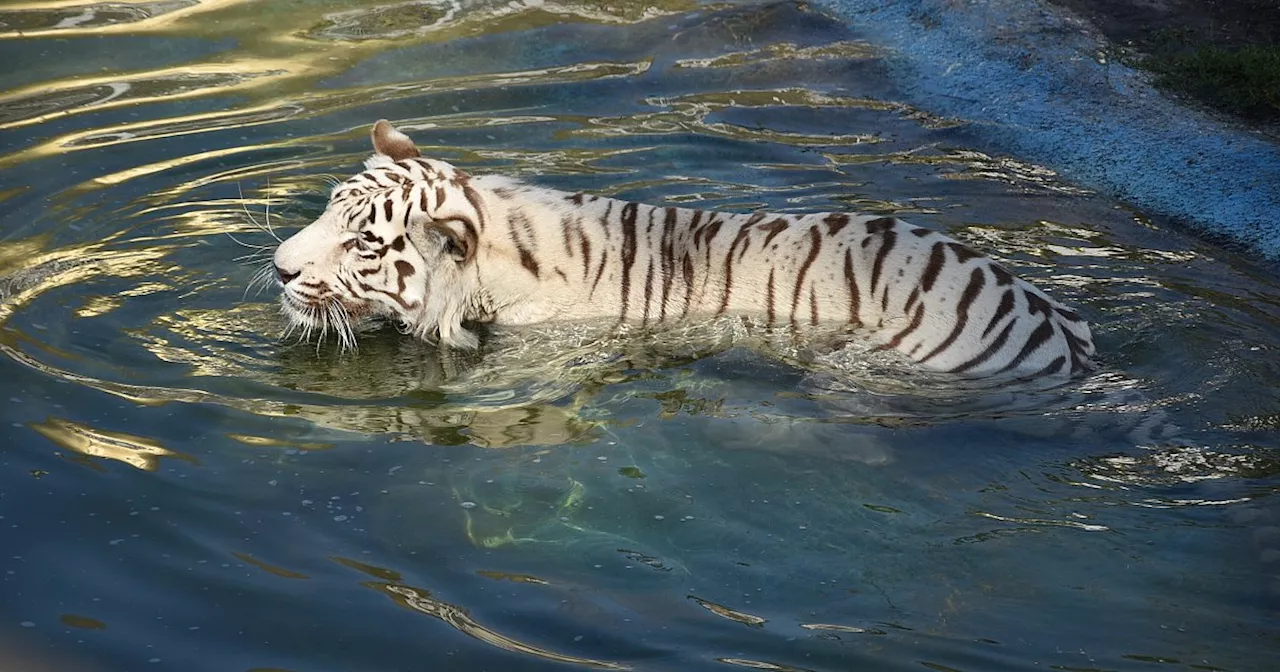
x: 181, y: 489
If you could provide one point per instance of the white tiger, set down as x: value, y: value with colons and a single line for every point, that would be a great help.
x: 425, y: 244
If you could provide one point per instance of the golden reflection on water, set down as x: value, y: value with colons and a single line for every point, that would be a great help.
x: 784, y: 51
x: 688, y: 114
x: 282, y: 51
x: 421, y: 601
x: 75, y: 17
x: 269, y: 568
x: 304, y: 105
x: 267, y: 441
x: 136, y: 451
x: 730, y: 614
x: 26, y: 270
x: 763, y: 665
x: 82, y: 622
x: 47, y: 100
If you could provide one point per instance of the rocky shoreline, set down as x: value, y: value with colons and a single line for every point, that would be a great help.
x: 1189, y: 40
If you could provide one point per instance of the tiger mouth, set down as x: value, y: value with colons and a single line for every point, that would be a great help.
x: 317, y: 313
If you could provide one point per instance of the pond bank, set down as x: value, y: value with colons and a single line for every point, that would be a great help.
x: 1224, y: 54
x: 1039, y: 83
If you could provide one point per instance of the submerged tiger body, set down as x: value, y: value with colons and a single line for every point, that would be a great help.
x: 426, y: 244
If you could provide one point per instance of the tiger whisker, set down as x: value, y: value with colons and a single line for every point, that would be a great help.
x: 255, y: 222
x: 253, y: 280
x: 341, y: 325
x: 267, y: 215
x: 241, y: 243
x: 324, y: 329
x: 262, y: 278
x: 348, y: 332
x: 251, y: 257
x: 339, y: 329
x: 290, y: 327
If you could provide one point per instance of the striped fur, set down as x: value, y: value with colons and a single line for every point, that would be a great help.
x: 424, y: 243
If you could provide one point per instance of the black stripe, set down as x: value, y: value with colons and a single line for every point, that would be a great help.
x: 1006, y: 304
x: 976, y: 280
x: 855, y: 298
x: 880, y: 225
x: 628, y: 252
x: 586, y: 252
x: 890, y: 239
x: 774, y: 228
x: 527, y: 260
x: 386, y: 209
x: 915, y: 324
x: 1037, y: 304
x: 1037, y: 338
x: 519, y: 218
x: 815, y: 243
x: 836, y: 222
x: 396, y: 297
x: 1050, y: 368
x: 911, y: 300
x: 937, y: 259
x: 687, y: 269
x: 648, y: 291
x: 712, y: 229
x: 604, y: 254
x: 768, y: 298
x: 565, y: 226
x: 667, y: 251
x: 991, y: 350
x: 604, y: 259
x: 474, y: 199
x: 813, y: 305
x: 963, y: 252
x: 728, y: 267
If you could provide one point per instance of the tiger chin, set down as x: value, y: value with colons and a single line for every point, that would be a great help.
x: 425, y: 244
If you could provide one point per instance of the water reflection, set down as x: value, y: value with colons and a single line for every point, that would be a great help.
x: 811, y: 494
x: 422, y: 601
x: 23, y: 19
x: 136, y: 451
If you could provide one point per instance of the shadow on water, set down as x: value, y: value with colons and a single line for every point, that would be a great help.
x: 703, y: 497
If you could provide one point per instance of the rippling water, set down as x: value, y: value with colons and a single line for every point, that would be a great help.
x: 183, y: 490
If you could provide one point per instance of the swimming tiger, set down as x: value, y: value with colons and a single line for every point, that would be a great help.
x: 426, y: 244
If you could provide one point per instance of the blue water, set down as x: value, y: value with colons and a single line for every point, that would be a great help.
x: 180, y: 489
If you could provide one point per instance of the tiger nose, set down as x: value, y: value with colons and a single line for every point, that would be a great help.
x: 285, y: 276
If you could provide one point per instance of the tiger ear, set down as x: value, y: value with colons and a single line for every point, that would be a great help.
x: 392, y: 143
x: 459, y: 239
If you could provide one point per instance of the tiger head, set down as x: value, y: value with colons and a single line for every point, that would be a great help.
x: 397, y: 241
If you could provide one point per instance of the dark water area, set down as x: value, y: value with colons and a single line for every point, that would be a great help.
x: 181, y: 489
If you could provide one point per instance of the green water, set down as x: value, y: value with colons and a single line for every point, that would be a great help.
x: 180, y: 489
